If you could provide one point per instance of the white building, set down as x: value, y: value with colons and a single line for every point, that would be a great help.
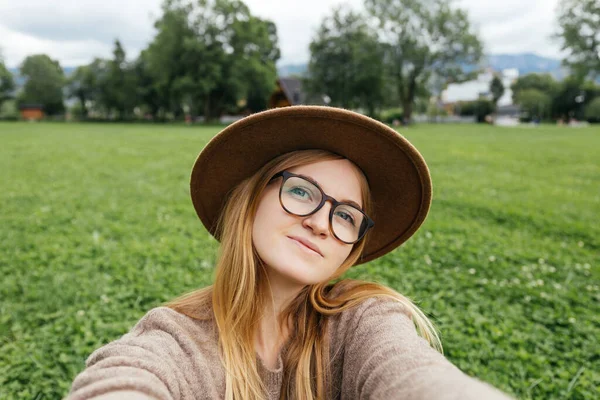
x: 480, y: 87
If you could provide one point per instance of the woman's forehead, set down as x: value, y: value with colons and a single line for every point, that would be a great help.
x: 338, y: 178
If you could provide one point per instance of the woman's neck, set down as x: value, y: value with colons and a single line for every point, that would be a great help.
x: 270, y: 336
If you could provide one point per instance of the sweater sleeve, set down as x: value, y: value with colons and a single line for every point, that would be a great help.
x: 152, y: 361
x: 384, y: 358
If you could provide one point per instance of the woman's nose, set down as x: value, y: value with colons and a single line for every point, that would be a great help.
x: 319, y: 221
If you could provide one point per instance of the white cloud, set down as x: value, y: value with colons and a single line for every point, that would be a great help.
x: 75, y: 31
x: 72, y: 31
x: 68, y: 52
x: 101, y: 20
x: 297, y: 22
x: 515, y: 26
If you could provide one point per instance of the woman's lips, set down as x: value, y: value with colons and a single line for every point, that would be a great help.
x: 305, y: 247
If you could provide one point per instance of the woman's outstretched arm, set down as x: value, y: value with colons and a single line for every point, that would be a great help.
x: 162, y: 357
x: 384, y: 358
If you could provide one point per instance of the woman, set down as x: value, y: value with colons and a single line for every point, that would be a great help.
x: 296, y: 196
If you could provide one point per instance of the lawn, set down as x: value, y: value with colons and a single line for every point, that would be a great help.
x: 97, y: 227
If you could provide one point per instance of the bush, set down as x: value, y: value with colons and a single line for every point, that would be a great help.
x: 388, y: 116
x: 592, y: 111
x: 9, y: 111
x: 535, y: 104
x: 433, y: 110
x: 478, y: 108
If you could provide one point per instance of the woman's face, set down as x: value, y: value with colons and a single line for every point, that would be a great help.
x: 277, y: 235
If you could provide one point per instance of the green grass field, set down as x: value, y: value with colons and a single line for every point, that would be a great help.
x: 97, y: 227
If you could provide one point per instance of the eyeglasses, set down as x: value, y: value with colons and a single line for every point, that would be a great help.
x: 302, y: 197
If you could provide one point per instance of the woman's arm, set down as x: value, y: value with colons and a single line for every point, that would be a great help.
x: 158, y: 359
x: 384, y: 358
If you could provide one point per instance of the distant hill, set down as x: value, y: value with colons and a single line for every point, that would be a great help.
x: 292, y: 69
x: 526, y: 63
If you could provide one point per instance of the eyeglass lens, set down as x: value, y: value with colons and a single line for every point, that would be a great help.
x: 302, y: 197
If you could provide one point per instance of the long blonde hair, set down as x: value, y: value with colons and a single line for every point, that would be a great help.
x: 240, y: 291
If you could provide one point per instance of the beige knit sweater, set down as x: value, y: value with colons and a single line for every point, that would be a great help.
x: 374, y: 350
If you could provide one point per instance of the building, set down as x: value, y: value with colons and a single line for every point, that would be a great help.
x: 480, y: 88
x: 288, y: 93
x: 32, y: 112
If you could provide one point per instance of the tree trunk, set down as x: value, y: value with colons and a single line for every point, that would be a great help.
x: 84, y: 110
x: 407, y: 107
x: 408, y: 97
x: 207, y: 109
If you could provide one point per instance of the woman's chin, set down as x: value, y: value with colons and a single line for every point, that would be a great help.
x: 296, y: 271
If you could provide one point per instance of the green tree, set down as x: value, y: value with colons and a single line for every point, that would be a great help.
x: 7, y: 83
x: 44, y: 83
x: 423, y: 37
x: 89, y: 85
x: 570, y: 99
x: 169, y: 60
x: 119, y: 85
x: 579, y: 34
x: 83, y: 86
x: 346, y: 62
x: 592, y: 110
x: 147, y: 93
x: 259, y: 60
x: 247, y: 52
x: 535, y: 103
x: 210, y: 55
x: 497, y: 89
x: 545, y: 83
x: 480, y: 109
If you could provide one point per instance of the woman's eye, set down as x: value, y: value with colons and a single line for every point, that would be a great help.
x: 346, y: 217
x: 298, y: 191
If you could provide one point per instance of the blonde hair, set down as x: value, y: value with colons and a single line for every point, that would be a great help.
x: 240, y: 290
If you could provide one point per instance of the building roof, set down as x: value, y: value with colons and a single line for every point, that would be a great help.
x: 292, y: 87
x: 31, y: 107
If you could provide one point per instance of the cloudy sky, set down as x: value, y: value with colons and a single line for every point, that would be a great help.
x: 75, y: 31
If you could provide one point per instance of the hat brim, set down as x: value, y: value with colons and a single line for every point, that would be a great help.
x: 398, y: 176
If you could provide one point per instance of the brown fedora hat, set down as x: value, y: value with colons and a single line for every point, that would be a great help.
x: 398, y: 177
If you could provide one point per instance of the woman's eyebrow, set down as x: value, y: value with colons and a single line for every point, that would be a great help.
x: 314, y: 182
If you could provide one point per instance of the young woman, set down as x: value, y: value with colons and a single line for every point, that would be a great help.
x: 296, y: 196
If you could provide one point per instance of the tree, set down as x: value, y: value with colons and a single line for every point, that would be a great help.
x: 7, y: 83
x: 89, y: 84
x: 170, y: 58
x: 592, y: 110
x: 44, y: 83
x: 259, y: 69
x: 247, y: 50
x: 535, y: 103
x: 545, y: 83
x: 346, y: 62
x: 149, y: 99
x: 579, y: 33
x: 83, y: 85
x: 423, y: 37
x: 480, y: 109
x: 210, y: 55
x: 119, y: 84
x: 570, y: 99
x: 497, y: 89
